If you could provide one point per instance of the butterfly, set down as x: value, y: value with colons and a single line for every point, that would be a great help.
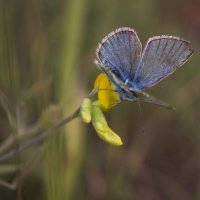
x: 132, y: 70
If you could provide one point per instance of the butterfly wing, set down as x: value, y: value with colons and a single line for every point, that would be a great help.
x: 121, y: 50
x: 162, y: 55
x: 147, y: 98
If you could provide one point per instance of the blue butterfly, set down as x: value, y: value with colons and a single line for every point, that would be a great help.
x: 132, y: 70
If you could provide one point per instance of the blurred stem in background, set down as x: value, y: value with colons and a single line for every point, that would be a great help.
x: 64, y: 151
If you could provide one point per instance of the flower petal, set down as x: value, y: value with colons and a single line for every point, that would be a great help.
x: 101, y: 126
x: 106, y: 93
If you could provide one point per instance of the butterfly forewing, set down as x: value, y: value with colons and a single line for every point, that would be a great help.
x: 121, y: 49
x: 162, y: 55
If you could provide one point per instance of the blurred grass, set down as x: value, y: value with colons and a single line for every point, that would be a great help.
x: 65, y: 149
x: 47, y: 50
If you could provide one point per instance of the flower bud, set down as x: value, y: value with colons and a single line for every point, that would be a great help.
x: 85, y: 110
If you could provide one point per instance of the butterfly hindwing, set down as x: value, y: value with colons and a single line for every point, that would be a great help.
x: 162, y: 55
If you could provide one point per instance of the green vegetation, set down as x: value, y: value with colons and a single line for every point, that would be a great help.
x: 47, y: 49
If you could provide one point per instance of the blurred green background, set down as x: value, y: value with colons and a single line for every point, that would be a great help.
x: 47, y: 49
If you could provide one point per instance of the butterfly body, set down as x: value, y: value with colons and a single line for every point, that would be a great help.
x: 132, y: 70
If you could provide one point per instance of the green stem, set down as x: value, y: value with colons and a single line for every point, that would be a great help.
x: 39, y: 137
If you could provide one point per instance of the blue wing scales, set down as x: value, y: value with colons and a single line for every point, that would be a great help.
x: 122, y: 50
x: 162, y: 55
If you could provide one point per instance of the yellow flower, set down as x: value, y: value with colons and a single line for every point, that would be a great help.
x: 93, y: 110
x: 106, y: 94
x: 101, y: 126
